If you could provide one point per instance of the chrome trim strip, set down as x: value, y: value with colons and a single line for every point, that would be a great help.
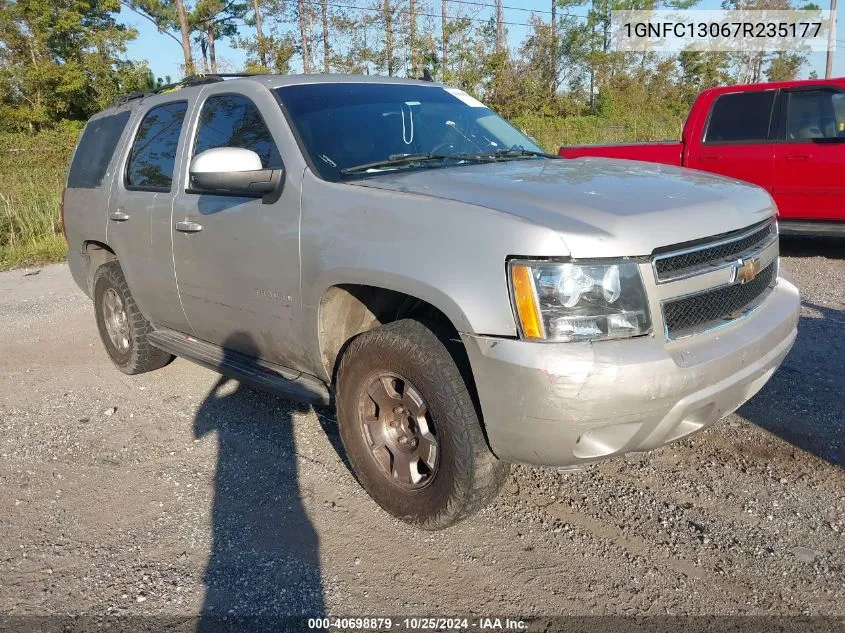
x: 723, y: 275
x: 767, y: 255
x: 710, y: 267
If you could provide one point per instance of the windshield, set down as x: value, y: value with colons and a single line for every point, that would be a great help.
x: 359, y: 125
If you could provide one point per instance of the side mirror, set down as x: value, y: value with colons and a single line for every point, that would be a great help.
x: 235, y: 170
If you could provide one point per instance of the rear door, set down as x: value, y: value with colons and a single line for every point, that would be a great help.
x: 238, y: 267
x: 738, y: 139
x: 810, y: 159
x: 141, y: 204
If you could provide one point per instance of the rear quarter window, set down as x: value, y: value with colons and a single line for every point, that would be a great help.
x: 95, y: 150
x: 741, y: 117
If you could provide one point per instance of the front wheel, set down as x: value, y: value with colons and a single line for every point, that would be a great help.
x: 410, y: 428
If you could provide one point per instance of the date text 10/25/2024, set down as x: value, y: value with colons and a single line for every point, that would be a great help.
x: 417, y: 624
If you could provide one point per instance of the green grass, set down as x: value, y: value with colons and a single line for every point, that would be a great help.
x: 33, y: 168
x: 32, y: 174
x: 551, y: 133
x: 30, y: 225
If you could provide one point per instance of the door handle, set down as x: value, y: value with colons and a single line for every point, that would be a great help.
x: 709, y: 158
x: 118, y: 215
x: 186, y: 226
x: 798, y: 156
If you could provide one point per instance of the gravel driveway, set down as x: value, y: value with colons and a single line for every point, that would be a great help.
x: 177, y: 493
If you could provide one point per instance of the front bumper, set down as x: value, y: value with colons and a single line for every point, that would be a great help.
x: 561, y: 404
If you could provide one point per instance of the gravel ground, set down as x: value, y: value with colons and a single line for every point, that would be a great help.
x: 176, y: 493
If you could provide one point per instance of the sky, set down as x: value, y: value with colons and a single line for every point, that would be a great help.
x: 164, y: 54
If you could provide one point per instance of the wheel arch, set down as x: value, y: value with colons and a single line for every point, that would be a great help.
x: 96, y: 254
x: 348, y: 309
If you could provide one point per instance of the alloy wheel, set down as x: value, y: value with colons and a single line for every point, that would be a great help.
x: 398, y: 431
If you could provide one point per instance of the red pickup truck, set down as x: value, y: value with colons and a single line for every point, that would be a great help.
x: 787, y: 137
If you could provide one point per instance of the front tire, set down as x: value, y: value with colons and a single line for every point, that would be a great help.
x: 123, y: 329
x: 410, y: 428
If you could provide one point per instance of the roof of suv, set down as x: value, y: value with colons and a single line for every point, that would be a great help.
x: 278, y: 81
x: 268, y: 80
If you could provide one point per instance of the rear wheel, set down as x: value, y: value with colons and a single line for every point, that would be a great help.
x: 410, y: 428
x: 123, y: 329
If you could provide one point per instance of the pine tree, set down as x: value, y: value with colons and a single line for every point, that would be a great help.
x: 62, y: 60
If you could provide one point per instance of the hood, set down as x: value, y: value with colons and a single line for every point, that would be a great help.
x: 601, y: 207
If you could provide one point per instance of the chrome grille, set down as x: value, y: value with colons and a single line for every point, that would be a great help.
x: 706, y: 310
x: 685, y: 262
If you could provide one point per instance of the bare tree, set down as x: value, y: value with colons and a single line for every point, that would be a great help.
x: 259, y: 32
x: 444, y: 36
x: 185, y: 30
x: 301, y: 9
x: 500, y: 26
x: 324, y: 17
x: 553, y: 62
x: 212, y: 55
x: 412, y: 35
x: 389, y: 40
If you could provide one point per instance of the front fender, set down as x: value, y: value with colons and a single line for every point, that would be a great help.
x: 451, y: 254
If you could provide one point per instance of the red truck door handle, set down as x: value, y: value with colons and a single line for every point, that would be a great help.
x: 709, y: 157
x: 798, y: 156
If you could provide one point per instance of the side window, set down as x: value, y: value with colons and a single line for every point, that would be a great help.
x: 151, y: 160
x: 95, y: 150
x: 740, y: 117
x: 815, y: 114
x: 234, y: 121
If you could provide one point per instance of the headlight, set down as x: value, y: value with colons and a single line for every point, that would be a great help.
x: 579, y: 302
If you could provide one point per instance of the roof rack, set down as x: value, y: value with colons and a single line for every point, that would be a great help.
x: 187, y: 82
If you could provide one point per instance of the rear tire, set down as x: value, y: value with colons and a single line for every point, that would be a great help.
x: 123, y: 329
x: 421, y: 453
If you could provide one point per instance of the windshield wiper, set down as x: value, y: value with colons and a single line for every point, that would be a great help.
x: 518, y: 151
x: 396, y: 160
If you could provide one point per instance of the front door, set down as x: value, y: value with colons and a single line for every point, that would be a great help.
x: 810, y: 160
x: 237, y: 258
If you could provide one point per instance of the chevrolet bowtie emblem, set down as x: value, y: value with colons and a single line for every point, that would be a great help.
x: 746, y: 270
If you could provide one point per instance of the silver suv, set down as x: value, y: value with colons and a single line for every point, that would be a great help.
x: 396, y: 249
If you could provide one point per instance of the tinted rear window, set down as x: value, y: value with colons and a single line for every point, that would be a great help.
x: 741, y: 117
x: 95, y: 150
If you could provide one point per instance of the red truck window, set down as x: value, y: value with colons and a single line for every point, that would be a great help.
x: 741, y: 117
x: 816, y: 114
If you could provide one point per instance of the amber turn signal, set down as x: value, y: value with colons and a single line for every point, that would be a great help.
x: 525, y: 298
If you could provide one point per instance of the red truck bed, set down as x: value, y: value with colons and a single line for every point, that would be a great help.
x: 665, y: 152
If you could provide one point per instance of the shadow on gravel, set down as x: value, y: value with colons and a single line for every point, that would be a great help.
x: 830, y: 247
x: 803, y: 402
x: 264, y: 567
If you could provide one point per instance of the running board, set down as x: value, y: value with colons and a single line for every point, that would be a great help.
x: 812, y: 228
x: 258, y: 373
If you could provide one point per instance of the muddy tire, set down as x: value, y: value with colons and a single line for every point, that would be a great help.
x: 123, y: 329
x: 410, y: 428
